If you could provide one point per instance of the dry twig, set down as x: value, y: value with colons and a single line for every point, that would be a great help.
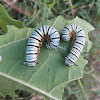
x: 72, y: 9
x: 15, y: 6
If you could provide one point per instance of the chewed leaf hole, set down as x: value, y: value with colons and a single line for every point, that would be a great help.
x: 0, y: 58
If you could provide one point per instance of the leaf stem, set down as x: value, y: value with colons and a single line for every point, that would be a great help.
x: 96, y: 78
x: 80, y: 83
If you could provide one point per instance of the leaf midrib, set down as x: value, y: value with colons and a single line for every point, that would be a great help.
x: 12, y: 42
x: 28, y: 85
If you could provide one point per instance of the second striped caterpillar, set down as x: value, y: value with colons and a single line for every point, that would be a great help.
x: 78, y: 35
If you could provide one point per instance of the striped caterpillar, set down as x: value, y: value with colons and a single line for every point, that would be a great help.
x: 78, y: 35
x: 35, y: 41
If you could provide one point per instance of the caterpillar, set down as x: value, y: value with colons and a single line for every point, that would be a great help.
x: 35, y: 41
x: 78, y: 35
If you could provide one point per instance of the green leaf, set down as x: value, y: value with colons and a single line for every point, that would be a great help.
x: 50, y: 75
x: 5, y: 20
x: 52, y: 4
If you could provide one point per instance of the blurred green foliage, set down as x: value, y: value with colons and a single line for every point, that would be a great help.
x: 46, y: 9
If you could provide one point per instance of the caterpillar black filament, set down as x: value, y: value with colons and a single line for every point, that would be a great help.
x: 78, y: 35
x: 35, y: 41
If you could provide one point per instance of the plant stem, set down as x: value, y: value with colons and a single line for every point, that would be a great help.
x: 80, y: 83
